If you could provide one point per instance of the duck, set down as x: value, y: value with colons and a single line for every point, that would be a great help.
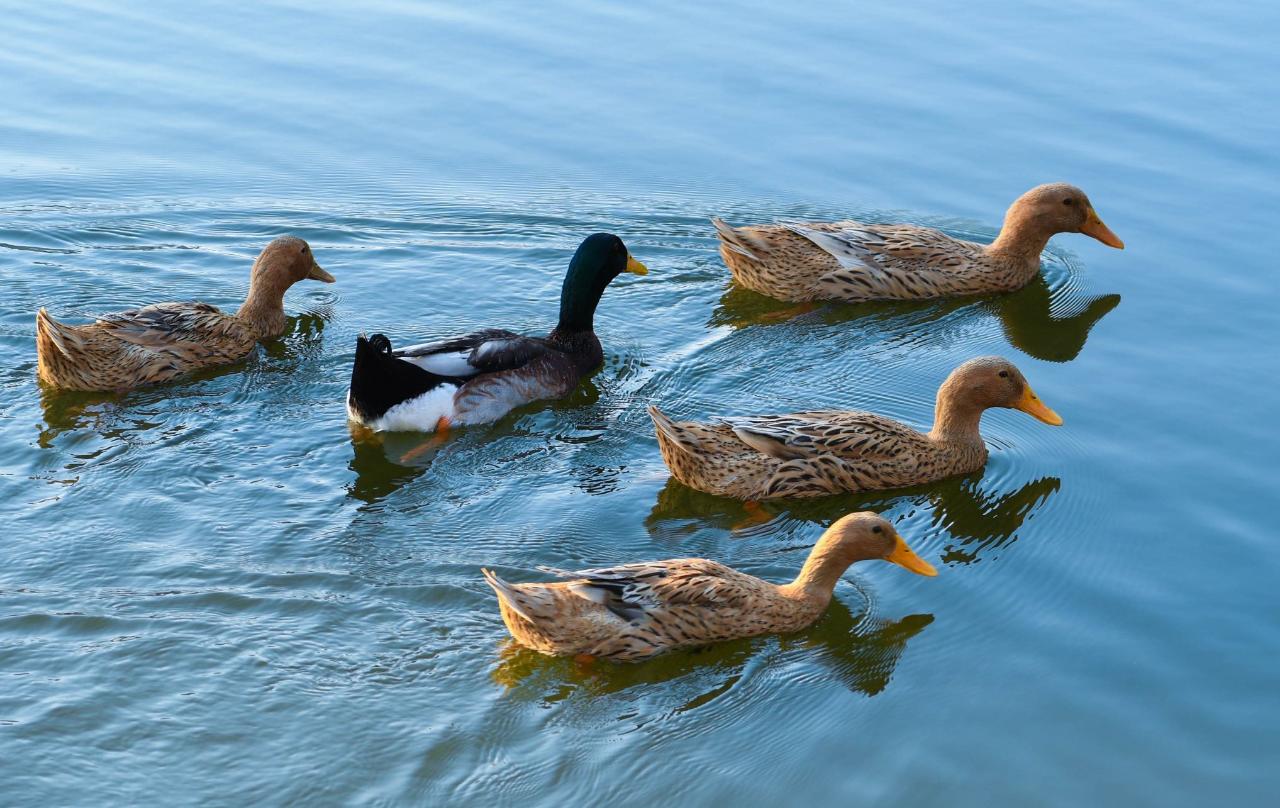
x: 635, y: 611
x: 856, y: 262
x: 479, y: 377
x: 822, y: 452
x: 160, y: 342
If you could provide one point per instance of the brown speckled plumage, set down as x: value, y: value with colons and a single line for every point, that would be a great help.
x: 634, y: 611
x: 156, y: 343
x: 854, y: 262
x: 811, y: 454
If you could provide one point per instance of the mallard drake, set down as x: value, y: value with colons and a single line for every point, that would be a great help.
x: 811, y: 454
x: 852, y: 261
x: 156, y: 343
x: 637, y: 610
x: 478, y: 378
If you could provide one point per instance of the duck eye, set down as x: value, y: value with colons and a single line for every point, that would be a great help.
x: 1067, y: 201
x: 877, y: 529
x: 1004, y: 374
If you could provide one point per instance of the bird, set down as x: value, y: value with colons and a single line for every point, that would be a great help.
x: 855, y: 262
x: 162, y: 341
x: 479, y: 377
x: 821, y: 452
x: 635, y: 611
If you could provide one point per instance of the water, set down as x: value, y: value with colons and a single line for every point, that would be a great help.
x: 211, y: 593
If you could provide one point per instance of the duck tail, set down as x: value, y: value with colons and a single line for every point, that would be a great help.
x: 61, y: 353
x: 505, y: 592
x: 675, y: 434
x: 52, y: 335
x: 380, y: 380
x: 733, y: 240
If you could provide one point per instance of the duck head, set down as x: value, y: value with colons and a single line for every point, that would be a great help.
x: 281, y: 264
x: 863, y: 536
x: 600, y: 258
x: 1057, y: 208
x: 285, y: 261
x: 991, y: 381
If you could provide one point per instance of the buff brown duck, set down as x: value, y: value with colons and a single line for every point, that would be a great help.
x: 635, y: 611
x: 159, y: 342
x: 812, y: 454
x: 855, y: 262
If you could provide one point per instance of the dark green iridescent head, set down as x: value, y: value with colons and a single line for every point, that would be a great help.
x: 599, y: 259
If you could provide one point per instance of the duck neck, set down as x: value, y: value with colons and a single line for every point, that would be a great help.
x: 817, y: 579
x: 579, y: 297
x: 1021, y: 239
x: 263, y: 309
x: 955, y: 419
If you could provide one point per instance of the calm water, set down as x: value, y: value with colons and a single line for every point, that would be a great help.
x: 211, y: 593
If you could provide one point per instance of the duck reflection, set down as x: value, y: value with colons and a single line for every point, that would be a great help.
x: 978, y: 521
x: 1030, y: 326
x: 67, y: 411
x: 861, y: 651
x: 301, y: 339
x: 384, y: 462
x: 1026, y: 315
x: 981, y: 522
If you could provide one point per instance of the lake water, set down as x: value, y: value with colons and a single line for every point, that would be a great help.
x: 211, y: 593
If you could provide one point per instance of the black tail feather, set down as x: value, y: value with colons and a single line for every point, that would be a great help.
x: 380, y: 380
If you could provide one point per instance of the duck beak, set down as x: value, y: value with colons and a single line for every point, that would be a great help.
x: 1031, y: 404
x: 1094, y: 227
x: 635, y: 266
x: 318, y: 274
x: 903, y: 556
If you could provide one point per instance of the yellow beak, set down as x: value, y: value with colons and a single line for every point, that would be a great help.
x: 635, y: 266
x: 1094, y: 227
x: 903, y: 556
x: 318, y: 274
x: 1031, y: 404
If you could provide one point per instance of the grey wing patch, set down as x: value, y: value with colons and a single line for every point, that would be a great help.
x: 465, y: 342
x: 786, y: 437
x: 627, y: 591
x: 487, y: 351
x: 506, y: 353
x: 852, y: 245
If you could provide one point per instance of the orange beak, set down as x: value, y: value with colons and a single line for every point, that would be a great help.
x: 1094, y: 227
x: 903, y: 556
x: 1031, y: 404
x: 318, y: 274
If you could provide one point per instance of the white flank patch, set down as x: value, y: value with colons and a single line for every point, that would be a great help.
x: 421, y: 414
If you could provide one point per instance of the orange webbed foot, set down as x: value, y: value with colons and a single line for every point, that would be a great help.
x: 441, y: 436
x: 756, y: 515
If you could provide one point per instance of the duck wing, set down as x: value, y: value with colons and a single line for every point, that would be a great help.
x: 883, y: 246
x: 488, y: 351
x: 185, y: 331
x: 826, y: 452
x: 635, y: 592
x: 845, y: 433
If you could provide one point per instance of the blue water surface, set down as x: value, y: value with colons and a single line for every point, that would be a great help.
x: 215, y: 593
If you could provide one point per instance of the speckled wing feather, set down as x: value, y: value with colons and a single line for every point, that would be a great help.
x: 829, y: 451
x: 891, y: 260
x: 637, y: 591
x: 194, y: 333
